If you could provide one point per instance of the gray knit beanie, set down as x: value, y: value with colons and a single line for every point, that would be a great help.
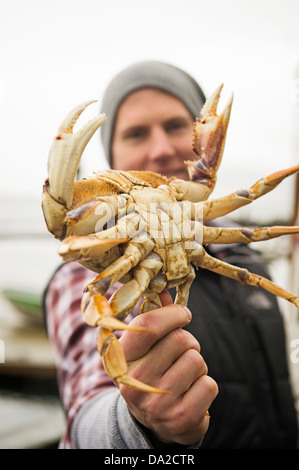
x: 153, y: 74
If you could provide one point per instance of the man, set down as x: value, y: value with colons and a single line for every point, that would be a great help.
x: 235, y: 332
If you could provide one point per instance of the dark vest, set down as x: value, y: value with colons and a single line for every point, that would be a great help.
x: 241, y: 333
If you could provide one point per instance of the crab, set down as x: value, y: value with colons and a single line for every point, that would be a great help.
x: 146, y: 230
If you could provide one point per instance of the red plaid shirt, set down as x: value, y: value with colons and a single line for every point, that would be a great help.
x: 80, y: 372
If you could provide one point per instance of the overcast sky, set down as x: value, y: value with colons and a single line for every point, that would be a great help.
x: 55, y: 54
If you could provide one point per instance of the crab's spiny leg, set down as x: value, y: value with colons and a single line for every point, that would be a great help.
x: 135, y: 250
x: 121, y: 303
x: 94, y: 305
x: 96, y: 309
x: 151, y: 294
x: 224, y: 205
x: 151, y: 301
x: 97, y: 312
x: 125, y: 297
x: 182, y: 290
x: 203, y: 259
x: 244, y: 235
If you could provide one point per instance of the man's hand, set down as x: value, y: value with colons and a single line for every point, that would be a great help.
x: 168, y: 358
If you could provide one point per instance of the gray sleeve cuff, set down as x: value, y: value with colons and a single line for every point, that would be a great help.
x: 105, y: 422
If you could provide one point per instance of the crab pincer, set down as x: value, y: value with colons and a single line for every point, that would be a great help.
x: 209, y: 140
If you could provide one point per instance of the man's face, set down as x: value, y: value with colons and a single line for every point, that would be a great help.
x: 153, y: 132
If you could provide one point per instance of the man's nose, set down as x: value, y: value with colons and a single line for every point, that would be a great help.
x: 160, y: 146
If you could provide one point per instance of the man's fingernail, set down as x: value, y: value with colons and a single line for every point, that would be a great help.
x: 189, y: 314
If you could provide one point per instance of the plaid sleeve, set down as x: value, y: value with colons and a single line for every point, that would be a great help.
x: 80, y: 373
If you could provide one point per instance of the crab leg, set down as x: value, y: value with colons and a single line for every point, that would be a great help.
x: 204, y: 260
x: 182, y: 290
x: 224, y: 205
x: 135, y: 251
x: 244, y: 235
x: 98, y: 311
x: 115, y: 363
x: 125, y: 298
x: 95, y: 307
x: 151, y: 301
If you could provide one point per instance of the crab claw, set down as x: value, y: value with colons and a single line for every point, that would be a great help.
x: 66, y: 151
x: 63, y: 161
x: 208, y: 141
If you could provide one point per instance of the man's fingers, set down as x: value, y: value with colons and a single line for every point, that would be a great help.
x: 158, y: 323
x: 189, y: 367
x: 195, y: 403
x: 164, y: 355
x: 203, y: 392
